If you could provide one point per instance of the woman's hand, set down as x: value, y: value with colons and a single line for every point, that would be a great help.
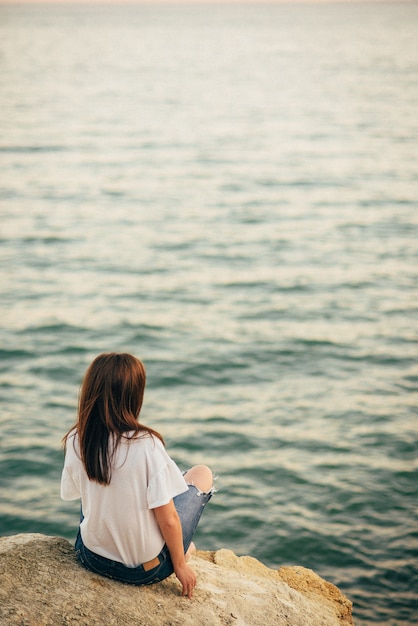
x: 187, y: 577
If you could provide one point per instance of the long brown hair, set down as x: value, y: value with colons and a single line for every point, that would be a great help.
x: 110, y: 401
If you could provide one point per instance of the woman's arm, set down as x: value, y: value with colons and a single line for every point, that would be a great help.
x: 170, y: 526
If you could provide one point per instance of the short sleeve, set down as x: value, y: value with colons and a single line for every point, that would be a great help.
x: 69, y: 490
x: 167, y: 483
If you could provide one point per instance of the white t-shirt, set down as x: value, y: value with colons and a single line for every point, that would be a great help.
x: 118, y: 520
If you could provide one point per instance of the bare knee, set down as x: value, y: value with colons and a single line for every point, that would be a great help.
x: 201, y: 477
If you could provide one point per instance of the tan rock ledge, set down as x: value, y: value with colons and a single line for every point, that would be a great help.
x: 41, y: 584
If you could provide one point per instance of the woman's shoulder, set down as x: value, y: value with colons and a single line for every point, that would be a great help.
x: 144, y: 448
x: 150, y: 441
x: 72, y: 443
x: 71, y: 437
x: 143, y: 439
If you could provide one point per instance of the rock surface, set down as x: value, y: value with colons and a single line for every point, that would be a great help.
x: 41, y: 584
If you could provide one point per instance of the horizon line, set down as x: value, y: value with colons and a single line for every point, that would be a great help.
x: 196, y: 2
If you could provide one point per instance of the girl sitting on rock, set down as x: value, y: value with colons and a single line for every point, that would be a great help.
x: 139, y: 512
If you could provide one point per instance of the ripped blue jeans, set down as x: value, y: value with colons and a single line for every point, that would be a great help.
x: 189, y: 506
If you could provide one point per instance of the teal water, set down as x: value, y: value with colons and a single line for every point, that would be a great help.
x: 230, y: 193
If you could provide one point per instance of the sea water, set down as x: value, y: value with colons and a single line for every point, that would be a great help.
x: 230, y: 193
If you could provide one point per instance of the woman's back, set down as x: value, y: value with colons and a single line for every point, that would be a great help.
x: 118, y: 521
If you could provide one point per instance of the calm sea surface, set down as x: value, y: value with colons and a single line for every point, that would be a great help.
x: 230, y: 193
